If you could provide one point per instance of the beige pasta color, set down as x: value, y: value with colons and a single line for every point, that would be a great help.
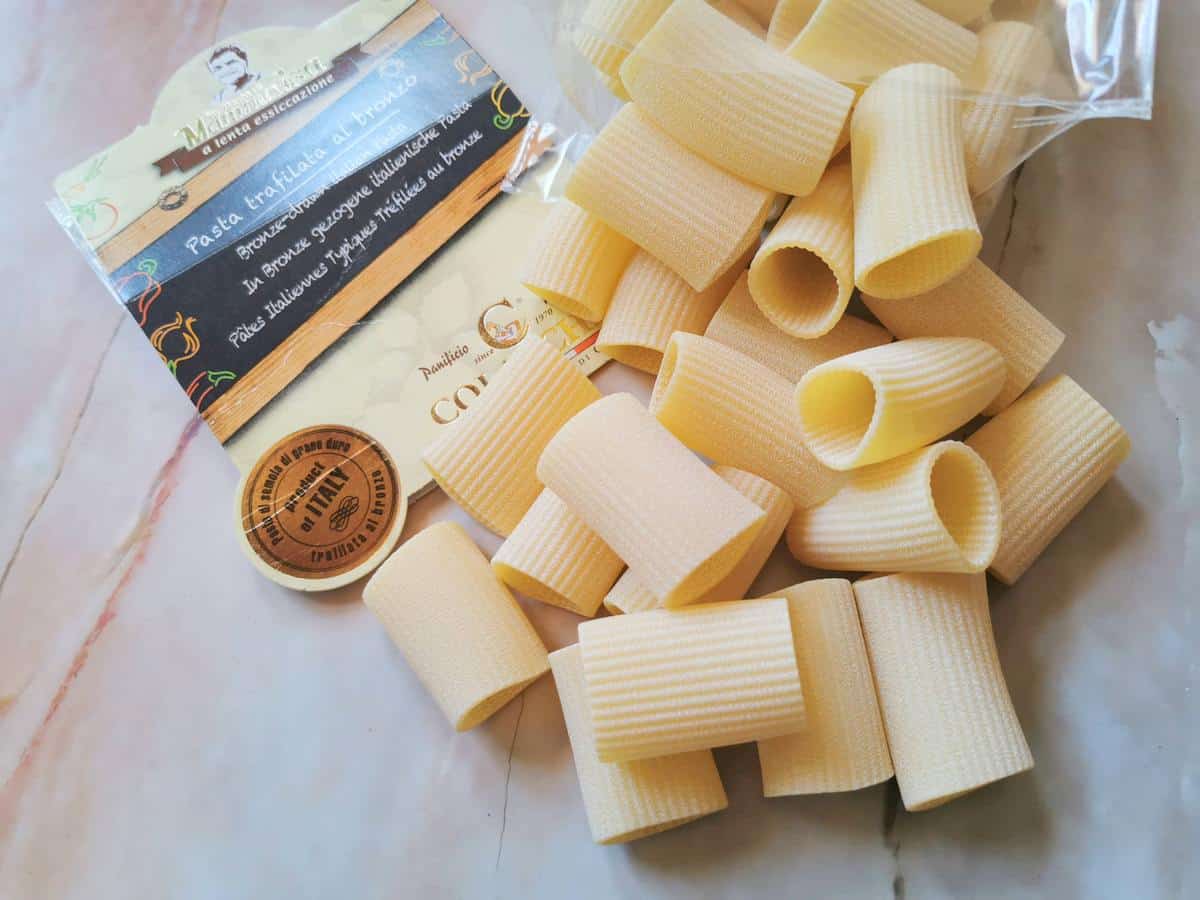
x: 762, y: 10
x: 459, y: 629
x: 1014, y: 61
x: 842, y: 746
x: 609, y: 28
x: 674, y: 680
x: 962, y: 11
x: 886, y: 401
x: 803, y: 274
x: 630, y: 177
x: 737, y: 412
x: 629, y: 595
x: 552, y: 556
x: 914, y: 225
x: 933, y: 510
x: 631, y: 800
x: 651, y: 303
x: 788, y: 20
x: 978, y: 304
x: 728, y: 97
x: 678, y: 525
x: 1050, y: 452
x: 857, y: 41
x: 950, y: 722
x: 738, y: 13
x: 740, y: 324
x: 576, y: 261
x: 486, y: 460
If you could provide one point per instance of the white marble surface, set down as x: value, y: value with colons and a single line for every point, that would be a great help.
x: 172, y: 725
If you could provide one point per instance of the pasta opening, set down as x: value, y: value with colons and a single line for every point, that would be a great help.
x: 967, y: 503
x: 644, y: 359
x: 491, y: 704
x: 922, y: 268
x: 837, y: 410
x: 566, y: 304
x: 531, y: 587
x: 668, y: 360
x: 693, y: 588
x: 800, y: 290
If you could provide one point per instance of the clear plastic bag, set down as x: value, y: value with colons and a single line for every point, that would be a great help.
x: 1100, y: 57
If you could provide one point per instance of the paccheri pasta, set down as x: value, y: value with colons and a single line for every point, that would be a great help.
x: 651, y: 303
x: 630, y: 800
x: 576, y: 261
x: 739, y: 413
x: 629, y: 595
x: 842, y: 746
x: 740, y: 324
x: 949, y: 719
x: 552, y: 556
x: 486, y: 460
x: 608, y: 28
x: 883, y: 402
x: 1050, y: 453
x: 731, y: 99
x: 962, y: 11
x: 678, y: 526
x: 788, y: 20
x: 978, y: 304
x: 670, y: 681
x: 803, y: 274
x: 459, y: 629
x: 630, y: 177
x: 933, y: 510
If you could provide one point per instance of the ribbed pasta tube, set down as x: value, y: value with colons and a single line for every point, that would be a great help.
x: 740, y: 324
x: 978, y: 304
x: 934, y: 510
x: 576, y: 262
x: 961, y: 11
x: 803, y: 274
x: 629, y: 595
x: 914, y: 226
x: 630, y: 177
x: 738, y: 13
x: 651, y: 303
x: 762, y: 10
x: 631, y: 800
x: 788, y: 20
x: 737, y: 412
x: 675, y: 523
x: 950, y: 722
x: 842, y: 746
x: 728, y: 97
x: 460, y: 630
x: 1014, y: 60
x: 886, y: 401
x: 552, y: 556
x: 486, y: 460
x: 1050, y: 452
x: 609, y: 28
x: 674, y: 680
x: 857, y: 41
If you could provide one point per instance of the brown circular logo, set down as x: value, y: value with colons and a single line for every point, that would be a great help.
x: 321, y: 502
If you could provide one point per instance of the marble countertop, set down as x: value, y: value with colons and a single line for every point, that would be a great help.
x: 173, y: 725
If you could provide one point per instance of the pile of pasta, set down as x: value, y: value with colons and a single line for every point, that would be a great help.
x: 774, y: 416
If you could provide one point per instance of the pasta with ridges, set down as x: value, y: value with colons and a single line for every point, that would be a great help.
x: 608, y: 28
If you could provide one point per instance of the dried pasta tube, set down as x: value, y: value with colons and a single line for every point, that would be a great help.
x: 674, y: 522
x: 788, y: 20
x: 1014, y: 60
x: 486, y: 460
x: 857, y: 41
x: 843, y: 746
x: 631, y: 800
x: 630, y: 177
x: 950, y: 722
x: 886, y: 401
x: 961, y: 11
x: 651, y: 303
x: 629, y: 595
x: 934, y: 510
x: 731, y: 99
x: 552, y: 556
x: 803, y: 274
x: 609, y: 29
x: 674, y: 680
x: 740, y: 15
x: 460, y: 630
x: 914, y: 226
x: 576, y: 262
x: 761, y: 10
x: 1050, y: 452
x: 978, y: 304
x: 740, y: 324
x: 737, y: 412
